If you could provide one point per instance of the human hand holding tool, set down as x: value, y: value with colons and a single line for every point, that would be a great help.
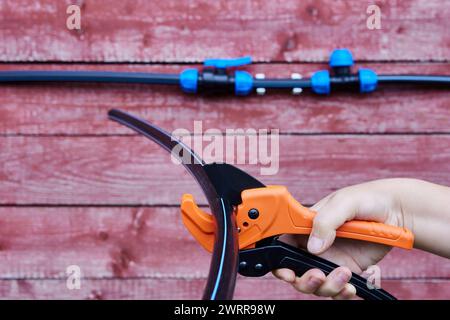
x: 420, y: 206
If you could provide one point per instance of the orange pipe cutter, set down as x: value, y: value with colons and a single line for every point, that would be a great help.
x: 266, y: 212
x: 272, y: 211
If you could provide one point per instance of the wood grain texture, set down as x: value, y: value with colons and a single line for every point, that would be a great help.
x: 134, y: 171
x: 185, y: 31
x: 74, y: 109
x: 76, y: 188
x: 170, y: 289
x: 40, y: 243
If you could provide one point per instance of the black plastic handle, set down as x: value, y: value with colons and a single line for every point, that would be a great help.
x: 261, y: 260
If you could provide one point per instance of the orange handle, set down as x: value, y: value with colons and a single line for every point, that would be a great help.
x: 280, y: 213
x: 377, y: 232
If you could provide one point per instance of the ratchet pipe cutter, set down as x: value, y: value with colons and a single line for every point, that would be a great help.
x: 247, y: 218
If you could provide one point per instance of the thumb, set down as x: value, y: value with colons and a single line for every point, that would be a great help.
x: 332, y: 212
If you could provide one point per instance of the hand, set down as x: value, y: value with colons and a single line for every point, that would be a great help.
x: 372, y: 201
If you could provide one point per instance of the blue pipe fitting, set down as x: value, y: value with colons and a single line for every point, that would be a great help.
x: 368, y: 80
x: 227, y: 63
x: 320, y: 82
x: 189, y: 80
x: 341, y: 58
x: 243, y: 83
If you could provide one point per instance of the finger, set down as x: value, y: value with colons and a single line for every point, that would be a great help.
x: 349, y: 292
x: 285, y: 275
x: 335, y: 282
x: 310, y: 281
x: 318, y: 205
x: 331, y: 215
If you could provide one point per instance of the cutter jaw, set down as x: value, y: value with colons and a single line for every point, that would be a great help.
x: 230, y: 181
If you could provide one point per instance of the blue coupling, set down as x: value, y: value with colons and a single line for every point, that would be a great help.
x: 368, y: 80
x: 341, y: 58
x: 189, y: 80
x: 320, y: 82
x: 243, y: 83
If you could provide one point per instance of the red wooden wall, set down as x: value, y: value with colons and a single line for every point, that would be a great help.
x: 76, y: 188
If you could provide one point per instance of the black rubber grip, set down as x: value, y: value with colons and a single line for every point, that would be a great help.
x: 261, y: 260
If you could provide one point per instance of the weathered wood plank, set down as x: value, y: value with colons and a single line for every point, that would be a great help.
x: 134, y: 171
x: 246, y: 289
x: 81, y: 109
x: 155, y: 31
x: 133, y: 242
x: 104, y: 242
